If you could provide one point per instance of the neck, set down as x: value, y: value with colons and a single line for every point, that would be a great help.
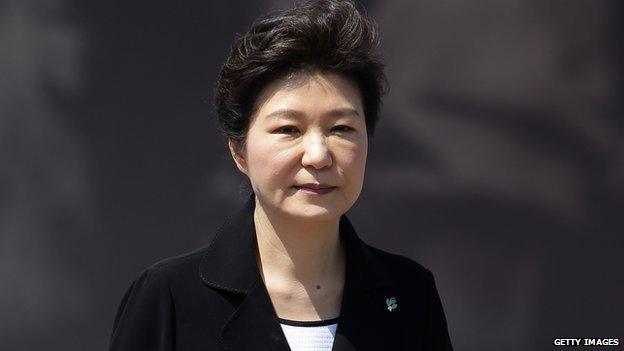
x: 293, y: 253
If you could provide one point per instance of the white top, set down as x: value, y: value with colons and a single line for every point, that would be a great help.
x: 310, y: 335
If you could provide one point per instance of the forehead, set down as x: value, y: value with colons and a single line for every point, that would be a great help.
x: 309, y: 93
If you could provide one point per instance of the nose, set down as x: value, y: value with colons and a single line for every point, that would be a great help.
x: 316, y: 154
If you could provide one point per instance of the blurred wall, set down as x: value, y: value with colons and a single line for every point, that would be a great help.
x: 498, y: 163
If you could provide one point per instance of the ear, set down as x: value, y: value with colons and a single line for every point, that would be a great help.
x: 238, y: 158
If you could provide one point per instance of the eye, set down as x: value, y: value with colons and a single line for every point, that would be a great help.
x: 286, y: 130
x: 342, y: 128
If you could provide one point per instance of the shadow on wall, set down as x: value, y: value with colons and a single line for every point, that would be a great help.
x: 501, y: 137
x: 46, y: 203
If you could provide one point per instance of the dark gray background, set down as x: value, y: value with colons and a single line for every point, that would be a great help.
x: 498, y: 164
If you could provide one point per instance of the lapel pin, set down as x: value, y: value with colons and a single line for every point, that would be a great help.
x: 392, y: 304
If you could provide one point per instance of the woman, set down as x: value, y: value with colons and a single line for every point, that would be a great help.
x: 298, y: 99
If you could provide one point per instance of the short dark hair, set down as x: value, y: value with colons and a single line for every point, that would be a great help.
x: 317, y: 36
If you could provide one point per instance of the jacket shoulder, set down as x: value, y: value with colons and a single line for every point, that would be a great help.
x: 147, y: 308
x: 175, y: 265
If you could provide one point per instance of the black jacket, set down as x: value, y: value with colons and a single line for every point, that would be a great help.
x: 214, y: 299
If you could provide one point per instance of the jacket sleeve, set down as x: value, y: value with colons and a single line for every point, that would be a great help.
x: 145, y: 318
x: 437, y: 332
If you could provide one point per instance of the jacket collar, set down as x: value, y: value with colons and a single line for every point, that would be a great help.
x: 230, y: 260
x: 230, y: 264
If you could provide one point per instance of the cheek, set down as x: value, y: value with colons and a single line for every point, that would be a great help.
x: 359, y: 165
x: 353, y: 161
x: 267, y: 162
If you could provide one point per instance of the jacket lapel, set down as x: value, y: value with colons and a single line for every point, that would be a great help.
x: 365, y: 321
x: 230, y: 265
x: 253, y: 325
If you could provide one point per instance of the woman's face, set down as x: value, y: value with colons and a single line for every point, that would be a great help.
x: 308, y: 131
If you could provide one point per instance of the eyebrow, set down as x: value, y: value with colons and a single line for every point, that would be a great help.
x: 335, y: 113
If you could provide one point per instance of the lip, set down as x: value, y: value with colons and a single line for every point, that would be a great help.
x: 315, y: 189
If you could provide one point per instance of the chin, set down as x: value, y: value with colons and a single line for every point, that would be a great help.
x: 313, y: 213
